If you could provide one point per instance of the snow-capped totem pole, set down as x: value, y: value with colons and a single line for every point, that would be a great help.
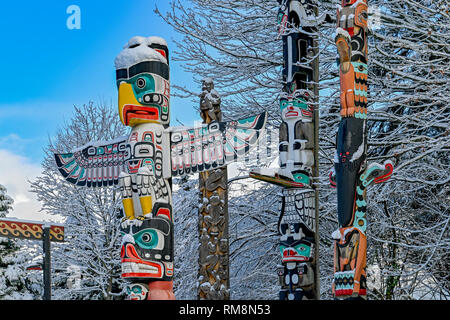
x: 213, y: 275
x: 298, y: 218
x: 144, y: 162
x: 352, y: 174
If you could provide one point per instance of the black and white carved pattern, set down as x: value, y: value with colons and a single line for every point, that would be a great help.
x: 298, y: 206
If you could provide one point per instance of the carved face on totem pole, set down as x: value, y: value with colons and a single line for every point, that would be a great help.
x: 296, y: 137
x: 146, y: 250
x: 137, y: 291
x: 142, y: 74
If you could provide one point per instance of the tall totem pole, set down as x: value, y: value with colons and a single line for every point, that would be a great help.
x: 352, y: 174
x: 144, y: 162
x: 213, y: 275
x: 297, y: 224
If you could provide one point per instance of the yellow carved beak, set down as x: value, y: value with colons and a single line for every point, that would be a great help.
x: 126, y: 98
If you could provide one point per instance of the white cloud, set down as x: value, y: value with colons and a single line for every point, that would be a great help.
x: 15, y: 173
x: 15, y: 142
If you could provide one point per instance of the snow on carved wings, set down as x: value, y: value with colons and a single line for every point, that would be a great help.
x: 191, y: 150
x: 213, y: 145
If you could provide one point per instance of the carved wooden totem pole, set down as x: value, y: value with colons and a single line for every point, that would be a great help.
x: 213, y: 276
x: 352, y: 174
x: 297, y: 224
x: 144, y: 162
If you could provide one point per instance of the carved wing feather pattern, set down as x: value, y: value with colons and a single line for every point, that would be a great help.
x: 214, y: 145
x: 95, y: 164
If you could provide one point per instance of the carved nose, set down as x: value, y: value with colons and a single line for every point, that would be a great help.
x: 128, y: 251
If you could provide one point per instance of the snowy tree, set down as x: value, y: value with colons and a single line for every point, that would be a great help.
x: 5, y: 202
x: 410, y: 89
x: 234, y: 41
x: 87, y: 265
x: 185, y: 212
x: 16, y: 283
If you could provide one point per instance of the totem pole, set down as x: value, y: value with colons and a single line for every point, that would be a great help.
x: 352, y: 174
x: 213, y: 276
x: 144, y: 162
x: 297, y: 224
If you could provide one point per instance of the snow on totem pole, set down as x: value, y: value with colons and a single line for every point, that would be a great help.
x: 297, y: 221
x: 351, y: 174
x: 144, y: 162
x: 213, y: 276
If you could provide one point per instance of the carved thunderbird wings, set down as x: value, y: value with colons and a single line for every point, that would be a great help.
x: 192, y: 150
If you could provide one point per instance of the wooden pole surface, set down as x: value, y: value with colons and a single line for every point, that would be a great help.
x: 213, y: 274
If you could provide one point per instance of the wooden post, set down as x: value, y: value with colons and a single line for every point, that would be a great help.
x: 213, y: 275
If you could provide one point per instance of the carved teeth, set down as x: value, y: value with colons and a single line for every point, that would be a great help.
x: 132, y: 267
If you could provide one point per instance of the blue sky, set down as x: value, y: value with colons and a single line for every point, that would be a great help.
x: 48, y: 68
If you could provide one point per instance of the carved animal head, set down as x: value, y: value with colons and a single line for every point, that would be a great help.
x: 142, y: 76
x: 146, y: 250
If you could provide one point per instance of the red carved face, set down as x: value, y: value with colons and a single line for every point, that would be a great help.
x: 147, y: 248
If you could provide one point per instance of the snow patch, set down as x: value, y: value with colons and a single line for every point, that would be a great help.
x: 340, y: 31
x: 358, y: 154
x: 336, y: 235
x: 137, y: 50
x: 100, y: 143
x: 127, y: 238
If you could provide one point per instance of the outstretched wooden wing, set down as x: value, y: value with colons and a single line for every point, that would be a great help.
x: 95, y: 164
x: 213, y: 145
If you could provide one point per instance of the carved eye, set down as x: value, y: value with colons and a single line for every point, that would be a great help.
x: 140, y: 83
x: 150, y: 239
x: 146, y: 237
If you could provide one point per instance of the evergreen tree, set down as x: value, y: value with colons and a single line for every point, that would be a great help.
x: 5, y: 202
x: 16, y: 283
